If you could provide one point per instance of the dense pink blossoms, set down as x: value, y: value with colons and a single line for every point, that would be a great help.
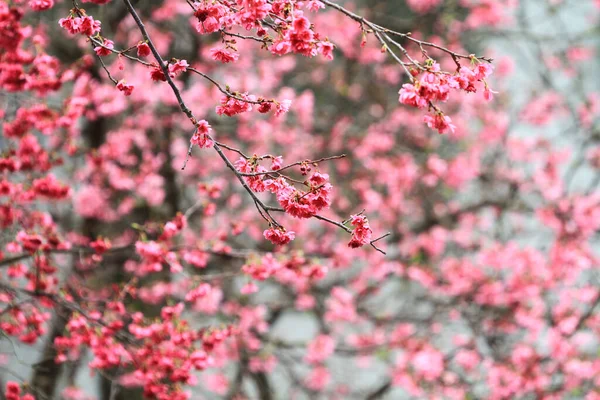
x: 433, y: 86
x: 201, y: 137
x: 279, y: 236
x: 86, y: 26
x: 174, y: 273
x: 361, y: 233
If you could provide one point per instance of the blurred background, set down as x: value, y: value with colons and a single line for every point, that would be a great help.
x: 490, y: 284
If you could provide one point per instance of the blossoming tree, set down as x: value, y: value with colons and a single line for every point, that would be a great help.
x: 261, y: 199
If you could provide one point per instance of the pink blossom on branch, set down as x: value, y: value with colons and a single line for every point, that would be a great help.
x: 201, y: 137
x: 156, y: 270
x: 124, y: 87
x: 143, y: 50
x: 279, y: 236
x: 106, y: 47
x: 442, y: 123
x: 361, y: 234
x: 224, y: 56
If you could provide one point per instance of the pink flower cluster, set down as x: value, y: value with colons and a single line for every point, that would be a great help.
x: 124, y: 87
x: 212, y: 16
x: 251, y: 166
x: 223, y: 55
x: 279, y: 236
x: 296, y: 34
x: 27, y: 323
x: 177, y: 68
x: 201, y: 137
x: 302, y: 204
x: 105, y: 49
x: 13, y: 392
x: 50, y: 188
x: 156, y: 73
x: 86, y: 26
x: 435, y: 86
x: 173, y: 227
x: 442, y: 123
x: 143, y: 50
x: 231, y: 106
x: 24, y: 71
x: 163, y: 353
x: 252, y: 11
x: 300, y: 38
x: 153, y: 255
x: 262, y: 269
x: 362, y: 232
x: 320, y: 349
x: 30, y: 242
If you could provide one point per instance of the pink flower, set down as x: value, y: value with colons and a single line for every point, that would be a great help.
x: 303, y: 204
x: 282, y: 107
x: 177, y: 68
x: 318, y: 379
x: 143, y: 50
x: 157, y: 74
x: 440, y: 122
x: 223, y: 56
x: 279, y: 236
x: 488, y: 94
x: 340, y: 306
x: 41, y: 5
x: 483, y: 70
x: 100, y: 246
x: 231, y: 106
x: 320, y: 349
x: 281, y: 47
x: 13, y: 390
x: 72, y: 25
x: 276, y: 163
x: 149, y: 250
x: 265, y: 107
x: 301, y: 24
x: 209, y: 17
x: 256, y: 183
x: 201, y: 360
x: 409, y: 95
x: 201, y: 291
x: 305, y: 302
x: 201, y: 136
x: 31, y: 243
x: 467, y: 359
x: 125, y: 88
x: 361, y: 234
x: 301, y: 37
x: 326, y: 48
x: 314, y: 5
x: 89, y: 26
x: 262, y: 269
x: 196, y: 258
x: 91, y: 202
x: 253, y: 11
x: 104, y: 50
x: 209, y: 25
x: 429, y: 363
